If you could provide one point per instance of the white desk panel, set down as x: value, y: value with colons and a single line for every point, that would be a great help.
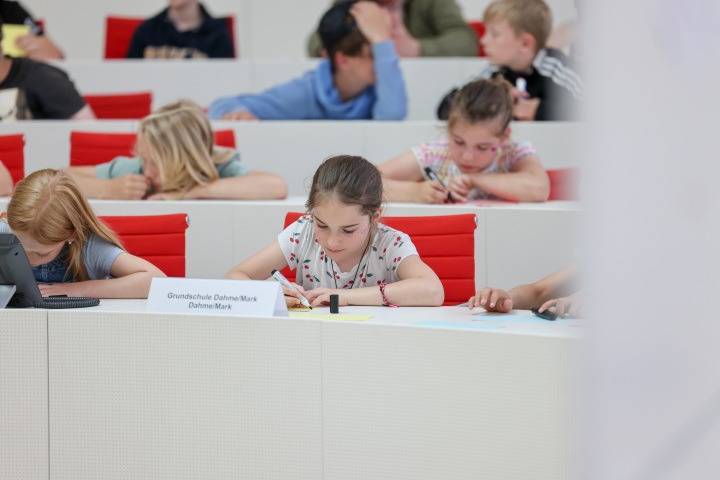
x: 429, y: 403
x: 181, y: 396
x: 47, y: 142
x: 23, y: 394
x: 208, y: 239
x: 527, y: 242
x: 294, y: 150
x: 201, y: 81
x: 184, y: 397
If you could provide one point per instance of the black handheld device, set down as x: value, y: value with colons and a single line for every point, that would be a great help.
x: 547, y: 314
x: 15, y: 270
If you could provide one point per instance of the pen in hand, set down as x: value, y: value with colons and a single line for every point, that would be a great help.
x: 285, y: 283
x: 433, y: 176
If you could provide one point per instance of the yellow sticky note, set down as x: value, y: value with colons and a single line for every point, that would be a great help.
x: 10, y: 33
x: 334, y: 316
x: 299, y: 309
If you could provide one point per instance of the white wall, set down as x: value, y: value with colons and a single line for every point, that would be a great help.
x: 264, y: 28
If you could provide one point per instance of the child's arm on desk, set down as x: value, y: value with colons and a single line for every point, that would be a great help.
x: 6, y: 183
x: 132, y: 186
x: 402, y: 182
x: 527, y: 182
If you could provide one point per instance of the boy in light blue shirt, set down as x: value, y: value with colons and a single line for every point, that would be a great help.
x: 360, y: 79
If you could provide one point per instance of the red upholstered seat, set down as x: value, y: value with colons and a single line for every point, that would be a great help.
x: 564, y: 184
x: 120, y: 106
x: 159, y: 239
x: 120, y: 30
x: 479, y: 31
x: 94, y: 148
x: 12, y: 155
x: 118, y: 34
x: 445, y: 243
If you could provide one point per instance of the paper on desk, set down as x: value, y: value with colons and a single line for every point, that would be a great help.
x: 10, y: 33
x: 516, y: 318
x: 333, y: 316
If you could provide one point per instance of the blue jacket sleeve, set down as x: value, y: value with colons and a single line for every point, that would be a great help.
x: 391, y: 101
x: 288, y: 101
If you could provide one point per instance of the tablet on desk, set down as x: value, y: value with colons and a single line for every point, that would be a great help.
x: 15, y: 271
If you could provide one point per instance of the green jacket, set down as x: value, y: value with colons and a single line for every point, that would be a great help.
x: 437, y: 24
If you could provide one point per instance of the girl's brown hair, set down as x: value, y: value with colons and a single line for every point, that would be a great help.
x: 353, y: 180
x: 48, y: 206
x: 484, y: 100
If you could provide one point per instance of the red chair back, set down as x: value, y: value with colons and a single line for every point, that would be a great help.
x: 12, y: 155
x: 479, y: 28
x: 120, y: 30
x: 120, y: 106
x: 564, y: 184
x: 118, y: 34
x: 445, y: 243
x: 93, y: 148
x: 159, y: 239
x: 231, y: 27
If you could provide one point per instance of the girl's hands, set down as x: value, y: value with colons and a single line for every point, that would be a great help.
x: 292, y: 298
x: 460, y: 186
x: 321, y: 296
x: 492, y: 300
x: 430, y: 191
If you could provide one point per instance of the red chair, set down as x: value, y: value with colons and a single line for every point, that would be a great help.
x: 445, y: 243
x: 120, y: 106
x: 120, y: 30
x: 159, y: 239
x: 92, y: 148
x: 118, y: 34
x: 12, y: 155
x: 479, y: 31
x: 564, y: 184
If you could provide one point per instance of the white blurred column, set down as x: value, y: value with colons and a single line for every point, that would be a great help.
x: 653, y: 190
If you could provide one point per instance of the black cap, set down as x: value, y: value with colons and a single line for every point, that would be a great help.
x: 336, y: 23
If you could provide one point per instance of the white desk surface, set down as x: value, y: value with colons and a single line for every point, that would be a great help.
x: 404, y: 316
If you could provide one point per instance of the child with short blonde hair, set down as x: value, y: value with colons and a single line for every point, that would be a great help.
x: 70, y: 250
x: 545, y: 87
x: 177, y: 159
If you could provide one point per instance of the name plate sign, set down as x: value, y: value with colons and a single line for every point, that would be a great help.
x: 216, y: 297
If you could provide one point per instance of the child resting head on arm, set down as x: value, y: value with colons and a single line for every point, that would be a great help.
x: 177, y: 159
x: 477, y: 161
x: 339, y: 247
x: 72, y: 252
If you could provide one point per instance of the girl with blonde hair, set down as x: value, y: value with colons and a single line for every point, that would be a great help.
x: 177, y: 159
x: 72, y: 252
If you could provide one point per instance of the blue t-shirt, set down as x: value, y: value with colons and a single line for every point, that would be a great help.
x: 98, y: 256
x: 120, y: 166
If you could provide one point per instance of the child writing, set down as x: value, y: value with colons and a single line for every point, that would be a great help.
x: 177, y: 159
x: 478, y: 161
x: 71, y: 252
x: 340, y: 246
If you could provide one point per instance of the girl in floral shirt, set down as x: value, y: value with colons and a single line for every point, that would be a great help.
x: 340, y: 246
x: 477, y: 161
